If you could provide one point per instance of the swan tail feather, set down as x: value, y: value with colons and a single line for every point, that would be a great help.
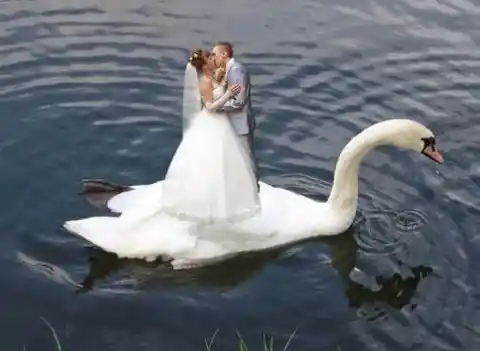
x: 102, y: 186
x: 97, y: 230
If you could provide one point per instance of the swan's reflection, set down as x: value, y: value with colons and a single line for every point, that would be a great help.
x: 395, y: 291
x: 224, y: 275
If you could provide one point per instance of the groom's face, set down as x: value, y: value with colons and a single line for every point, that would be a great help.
x: 219, y: 56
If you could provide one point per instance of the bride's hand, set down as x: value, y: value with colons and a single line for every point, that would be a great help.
x: 235, y: 89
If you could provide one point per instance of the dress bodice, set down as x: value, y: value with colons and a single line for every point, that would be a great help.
x: 218, y: 92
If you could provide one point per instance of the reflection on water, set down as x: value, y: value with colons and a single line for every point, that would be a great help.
x: 152, y: 275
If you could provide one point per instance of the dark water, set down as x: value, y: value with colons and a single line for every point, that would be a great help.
x: 93, y: 89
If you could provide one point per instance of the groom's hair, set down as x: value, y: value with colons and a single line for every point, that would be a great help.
x: 228, y: 47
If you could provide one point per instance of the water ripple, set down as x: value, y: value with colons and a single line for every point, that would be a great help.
x: 94, y: 89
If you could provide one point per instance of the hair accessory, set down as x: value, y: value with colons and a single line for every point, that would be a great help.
x: 193, y: 57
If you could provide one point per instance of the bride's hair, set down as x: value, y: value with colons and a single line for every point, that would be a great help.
x: 197, y: 59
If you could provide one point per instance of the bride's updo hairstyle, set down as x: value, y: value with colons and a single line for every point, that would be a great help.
x: 197, y: 59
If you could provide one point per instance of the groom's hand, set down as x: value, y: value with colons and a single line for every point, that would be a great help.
x: 237, y: 78
x: 235, y: 89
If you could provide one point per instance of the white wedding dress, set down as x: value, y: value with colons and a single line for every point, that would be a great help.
x: 210, y: 178
x: 210, y: 181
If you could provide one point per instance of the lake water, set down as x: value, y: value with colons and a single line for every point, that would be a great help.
x: 93, y: 89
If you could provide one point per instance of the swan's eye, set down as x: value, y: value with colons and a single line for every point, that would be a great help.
x: 430, y: 141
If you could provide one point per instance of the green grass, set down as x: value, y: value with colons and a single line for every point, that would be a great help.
x: 49, y: 325
x: 57, y: 341
x: 242, y: 346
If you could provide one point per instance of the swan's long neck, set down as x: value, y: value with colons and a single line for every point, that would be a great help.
x: 344, y: 194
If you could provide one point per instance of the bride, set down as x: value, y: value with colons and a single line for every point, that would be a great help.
x: 210, y: 178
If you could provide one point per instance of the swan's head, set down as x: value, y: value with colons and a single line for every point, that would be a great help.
x: 411, y: 135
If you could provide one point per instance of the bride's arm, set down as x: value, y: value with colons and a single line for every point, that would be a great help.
x: 206, y: 90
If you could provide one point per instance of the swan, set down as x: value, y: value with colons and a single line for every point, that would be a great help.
x: 142, y: 231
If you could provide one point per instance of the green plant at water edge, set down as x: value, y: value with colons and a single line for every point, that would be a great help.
x: 57, y: 341
x: 242, y: 346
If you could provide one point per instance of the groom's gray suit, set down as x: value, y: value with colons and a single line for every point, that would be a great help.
x: 239, y: 109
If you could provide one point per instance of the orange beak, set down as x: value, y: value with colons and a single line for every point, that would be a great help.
x: 433, y: 154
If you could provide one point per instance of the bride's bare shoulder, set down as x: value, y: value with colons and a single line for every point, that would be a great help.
x: 203, y: 79
x: 205, y: 82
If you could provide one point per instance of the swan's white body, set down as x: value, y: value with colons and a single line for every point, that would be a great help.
x: 143, y: 231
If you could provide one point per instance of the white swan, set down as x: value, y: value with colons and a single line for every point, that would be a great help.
x: 142, y: 231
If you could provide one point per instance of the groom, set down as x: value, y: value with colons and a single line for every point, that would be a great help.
x: 239, y: 108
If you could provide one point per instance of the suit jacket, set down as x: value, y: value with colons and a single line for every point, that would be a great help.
x: 239, y: 108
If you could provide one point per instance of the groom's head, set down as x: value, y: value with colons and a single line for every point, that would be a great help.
x: 222, y: 52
